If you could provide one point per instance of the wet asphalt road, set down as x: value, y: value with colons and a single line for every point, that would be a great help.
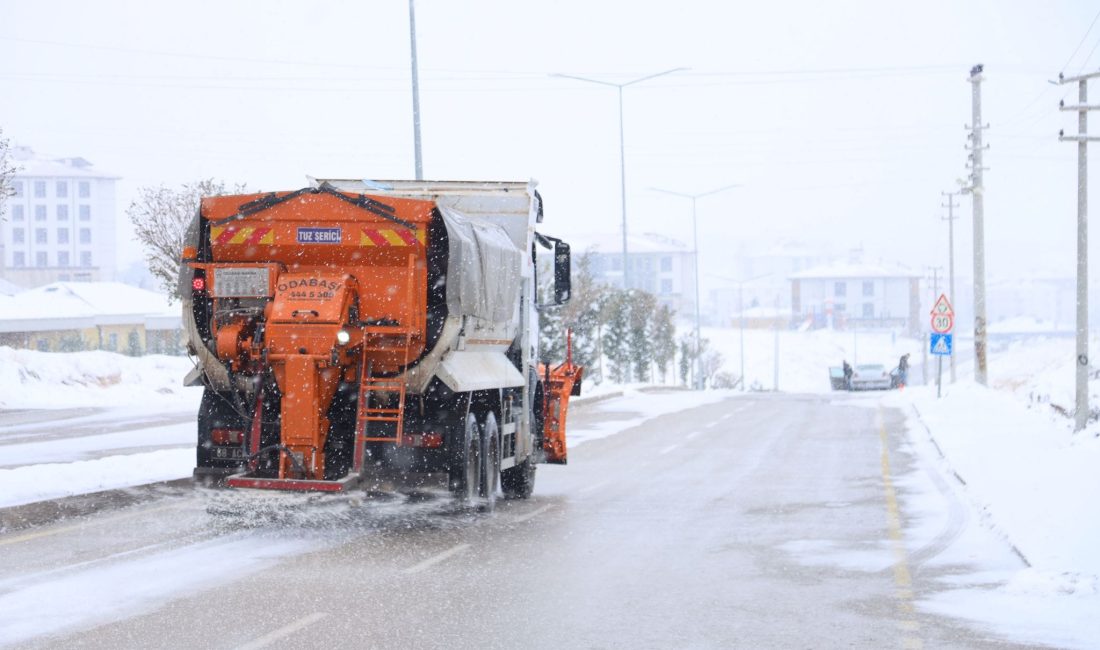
x: 708, y: 528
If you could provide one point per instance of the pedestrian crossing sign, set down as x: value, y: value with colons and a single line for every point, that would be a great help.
x: 941, y: 344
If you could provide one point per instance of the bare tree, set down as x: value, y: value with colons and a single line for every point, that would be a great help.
x: 7, y: 170
x: 161, y: 215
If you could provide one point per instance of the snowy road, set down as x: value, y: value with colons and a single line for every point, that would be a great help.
x: 756, y: 521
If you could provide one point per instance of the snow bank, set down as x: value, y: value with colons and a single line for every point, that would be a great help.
x: 55, y: 480
x: 47, y: 380
x: 1023, y: 467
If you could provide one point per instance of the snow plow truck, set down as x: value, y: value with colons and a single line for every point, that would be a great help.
x: 376, y: 335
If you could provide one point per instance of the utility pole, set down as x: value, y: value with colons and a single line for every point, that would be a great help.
x: 976, y: 190
x: 622, y: 150
x: 1081, y: 413
x: 950, y: 219
x: 415, y: 93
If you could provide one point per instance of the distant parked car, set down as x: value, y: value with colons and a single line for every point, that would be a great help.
x: 871, y: 376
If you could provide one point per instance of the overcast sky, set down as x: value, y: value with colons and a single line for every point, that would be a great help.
x: 842, y: 121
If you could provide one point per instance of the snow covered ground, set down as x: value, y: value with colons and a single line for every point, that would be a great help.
x: 1027, y: 477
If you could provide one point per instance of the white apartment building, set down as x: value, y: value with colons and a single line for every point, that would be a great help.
x: 660, y: 265
x: 60, y: 224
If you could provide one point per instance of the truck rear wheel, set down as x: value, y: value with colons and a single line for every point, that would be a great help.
x: 490, y: 463
x: 465, y: 465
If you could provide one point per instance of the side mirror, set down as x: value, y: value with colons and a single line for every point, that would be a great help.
x: 562, y: 273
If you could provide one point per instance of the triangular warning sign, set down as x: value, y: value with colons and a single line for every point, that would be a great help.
x: 941, y: 346
x: 943, y: 306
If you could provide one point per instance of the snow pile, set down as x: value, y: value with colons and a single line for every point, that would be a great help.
x: 55, y: 480
x: 1035, y: 480
x: 31, y: 379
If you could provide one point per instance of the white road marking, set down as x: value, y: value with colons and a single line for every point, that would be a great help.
x: 668, y: 449
x: 531, y: 515
x: 436, y: 559
x: 594, y: 486
x: 282, y: 632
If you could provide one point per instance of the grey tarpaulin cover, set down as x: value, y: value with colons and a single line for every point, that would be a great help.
x: 483, y: 268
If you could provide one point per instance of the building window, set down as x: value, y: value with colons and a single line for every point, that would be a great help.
x: 666, y: 286
x: 63, y: 235
x: 40, y: 189
x: 40, y: 236
x: 840, y: 289
x: 868, y: 288
x: 86, y: 259
x: 17, y: 213
x: 666, y: 264
x: 868, y: 310
x: 840, y: 308
x: 63, y: 258
x: 62, y: 189
x: 85, y: 235
x: 17, y: 187
x: 62, y: 213
x: 40, y: 259
x: 17, y: 236
x: 19, y: 258
x: 85, y: 213
x: 84, y: 189
x: 112, y: 342
x: 39, y: 213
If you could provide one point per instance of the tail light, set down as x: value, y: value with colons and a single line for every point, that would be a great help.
x: 226, y: 436
x: 198, y: 281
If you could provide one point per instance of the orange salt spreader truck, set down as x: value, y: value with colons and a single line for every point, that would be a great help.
x: 378, y: 334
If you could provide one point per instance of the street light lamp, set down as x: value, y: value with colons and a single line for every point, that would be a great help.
x: 622, y: 155
x: 695, y: 251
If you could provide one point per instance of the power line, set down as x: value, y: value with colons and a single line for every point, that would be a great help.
x: 1075, y: 50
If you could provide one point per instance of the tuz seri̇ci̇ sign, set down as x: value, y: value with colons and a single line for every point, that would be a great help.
x: 319, y: 235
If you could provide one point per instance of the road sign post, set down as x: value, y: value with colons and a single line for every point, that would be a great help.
x: 940, y: 341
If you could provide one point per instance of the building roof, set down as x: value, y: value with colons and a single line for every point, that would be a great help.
x: 610, y: 243
x: 76, y: 305
x: 33, y: 165
x: 852, y: 270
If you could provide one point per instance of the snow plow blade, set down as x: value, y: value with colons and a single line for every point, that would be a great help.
x: 291, y: 484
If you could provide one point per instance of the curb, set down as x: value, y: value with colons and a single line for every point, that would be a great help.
x: 40, y: 513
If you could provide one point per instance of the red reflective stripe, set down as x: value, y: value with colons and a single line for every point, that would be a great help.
x: 408, y: 235
x: 376, y: 237
x: 257, y: 236
x: 228, y: 234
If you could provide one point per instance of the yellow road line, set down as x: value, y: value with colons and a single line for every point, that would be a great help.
x: 26, y: 537
x: 903, y: 579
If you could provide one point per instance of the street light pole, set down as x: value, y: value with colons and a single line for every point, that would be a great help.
x: 416, y: 94
x: 622, y: 148
x: 695, y: 254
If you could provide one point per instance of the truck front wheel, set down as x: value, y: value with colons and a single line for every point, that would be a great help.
x: 465, y: 462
